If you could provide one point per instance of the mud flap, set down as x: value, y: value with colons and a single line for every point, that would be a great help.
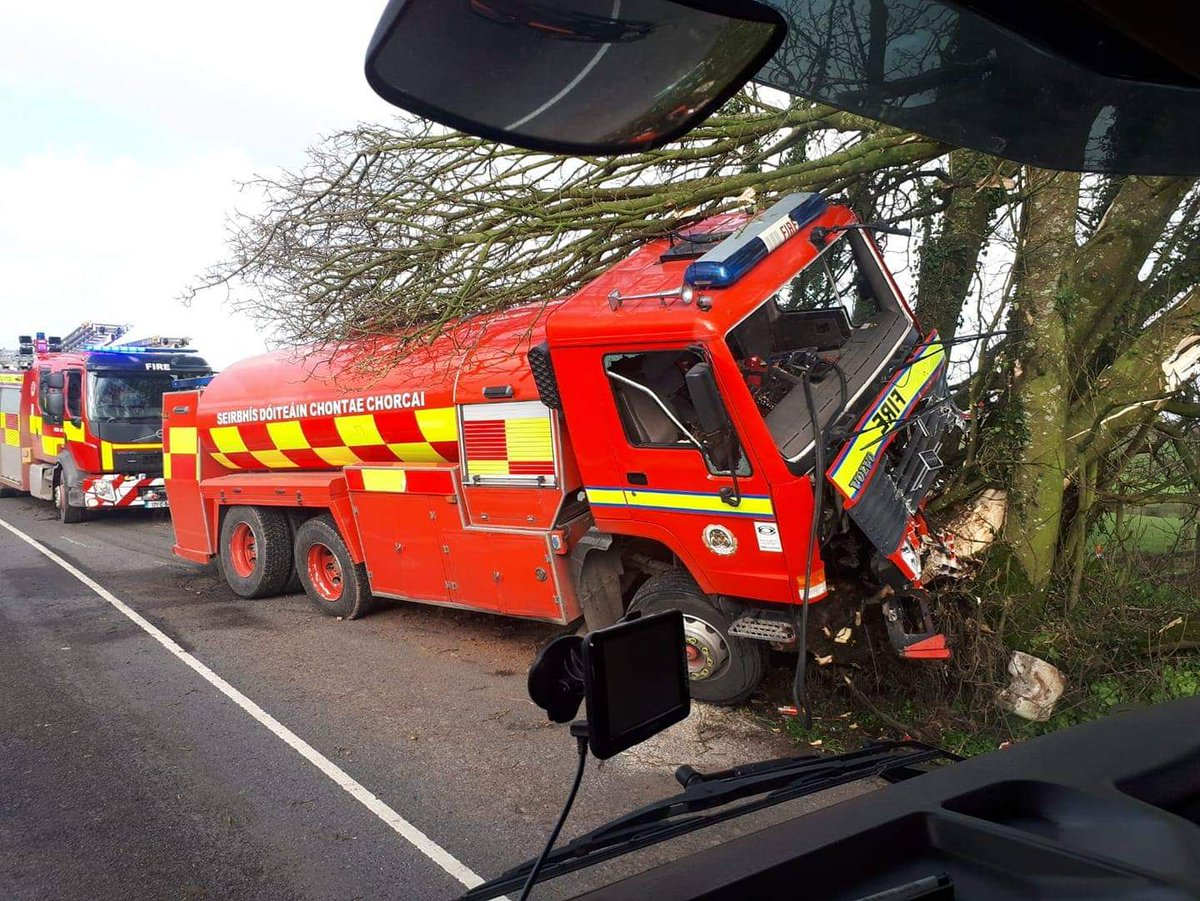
x: 911, y: 630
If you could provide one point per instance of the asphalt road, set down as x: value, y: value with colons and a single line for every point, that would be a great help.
x: 126, y: 774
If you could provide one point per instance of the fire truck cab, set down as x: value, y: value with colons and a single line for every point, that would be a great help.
x: 83, y: 426
x: 650, y: 442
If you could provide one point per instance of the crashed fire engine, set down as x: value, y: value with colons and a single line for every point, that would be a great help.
x: 648, y: 443
x: 82, y: 418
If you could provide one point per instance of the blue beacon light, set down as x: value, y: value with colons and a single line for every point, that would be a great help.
x: 738, y: 254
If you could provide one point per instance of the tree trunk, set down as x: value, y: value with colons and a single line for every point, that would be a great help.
x: 1042, y: 376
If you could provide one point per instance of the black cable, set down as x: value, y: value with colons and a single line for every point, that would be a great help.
x: 799, y: 687
x: 562, y: 818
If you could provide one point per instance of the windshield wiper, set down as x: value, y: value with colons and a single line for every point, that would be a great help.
x: 759, y: 785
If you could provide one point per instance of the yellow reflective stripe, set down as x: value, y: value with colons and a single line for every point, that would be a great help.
x: 11, y: 378
x: 676, y: 500
x: 438, y: 424
x: 274, y: 459
x: 864, y: 447
x: 166, y: 466
x: 287, y: 436
x: 225, y: 461
x: 528, y: 440
x: 12, y: 437
x: 605, y: 496
x: 416, y: 452
x: 52, y: 445
x: 182, y: 439
x: 35, y: 424
x: 488, y: 467
x: 395, y: 480
x: 705, y: 503
x: 228, y: 439
x: 73, y: 432
x: 106, y: 456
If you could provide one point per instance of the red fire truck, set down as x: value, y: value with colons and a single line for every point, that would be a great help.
x: 82, y: 423
x: 649, y: 442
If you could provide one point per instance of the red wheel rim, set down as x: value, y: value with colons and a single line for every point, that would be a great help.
x: 243, y: 550
x: 324, y: 572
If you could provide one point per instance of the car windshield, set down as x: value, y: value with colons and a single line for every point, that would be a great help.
x: 843, y: 306
x: 126, y: 397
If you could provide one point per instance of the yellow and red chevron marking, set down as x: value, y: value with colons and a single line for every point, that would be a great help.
x: 404, y: 436
x: 117, y: 490
x: 512, y: 440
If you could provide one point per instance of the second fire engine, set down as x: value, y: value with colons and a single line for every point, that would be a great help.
x: 82, y: 418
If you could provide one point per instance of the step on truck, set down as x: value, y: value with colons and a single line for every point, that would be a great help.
x: 651, y: 442
x: 82, y: 423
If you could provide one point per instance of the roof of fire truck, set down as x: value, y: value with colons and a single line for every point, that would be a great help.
x: 596, y: 313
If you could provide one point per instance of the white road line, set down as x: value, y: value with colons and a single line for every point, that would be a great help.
x: 356, y: 790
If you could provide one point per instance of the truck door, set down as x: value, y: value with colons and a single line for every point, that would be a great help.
x: 10, y: 429
x: 711, y: 498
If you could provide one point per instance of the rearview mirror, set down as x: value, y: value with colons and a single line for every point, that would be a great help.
x: 633, y: 676
x: 571, y: 76
x: 706, y: 399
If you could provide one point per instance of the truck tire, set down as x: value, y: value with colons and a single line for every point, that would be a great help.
x: 62, y: 500
x: 256, y: 551
x: 335, y: 584
x: 723, y: 670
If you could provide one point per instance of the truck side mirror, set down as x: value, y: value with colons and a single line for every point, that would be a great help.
x: 706, y: 399
x: 55, y: 405
x: 55, y: 381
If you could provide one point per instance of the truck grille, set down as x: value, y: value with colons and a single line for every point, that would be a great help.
x: 148, y: 462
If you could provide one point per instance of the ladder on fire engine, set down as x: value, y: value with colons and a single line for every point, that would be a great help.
x: 93, y: 334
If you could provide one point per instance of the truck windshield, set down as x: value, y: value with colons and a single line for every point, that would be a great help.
x: 841, y: 305
x: 126, y: 397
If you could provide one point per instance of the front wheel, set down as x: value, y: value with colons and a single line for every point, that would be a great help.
x: 62, y: 500
x: 335, y: 584
x: 722, y: 669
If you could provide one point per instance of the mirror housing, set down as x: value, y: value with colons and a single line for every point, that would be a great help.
x: 706, y: 398
x: 56, y: 405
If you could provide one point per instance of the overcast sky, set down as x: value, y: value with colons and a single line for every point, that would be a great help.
x: 126, y: 127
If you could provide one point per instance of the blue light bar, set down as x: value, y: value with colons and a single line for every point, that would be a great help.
x: 738, y: 254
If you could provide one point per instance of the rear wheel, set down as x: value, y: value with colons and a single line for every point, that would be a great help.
x: 62, y: 500
x: 722, y: 669
x: 335, y: 584
x: 256, y: 551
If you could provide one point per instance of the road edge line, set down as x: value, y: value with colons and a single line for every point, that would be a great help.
x: 406, y: 830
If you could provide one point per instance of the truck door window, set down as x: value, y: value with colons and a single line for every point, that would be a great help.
x: 44, y: 395
x: 654, y: 406
x: 74, y: 391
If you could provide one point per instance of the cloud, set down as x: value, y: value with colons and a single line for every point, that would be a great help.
x: 127, y: 129
x: 116, y: 241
